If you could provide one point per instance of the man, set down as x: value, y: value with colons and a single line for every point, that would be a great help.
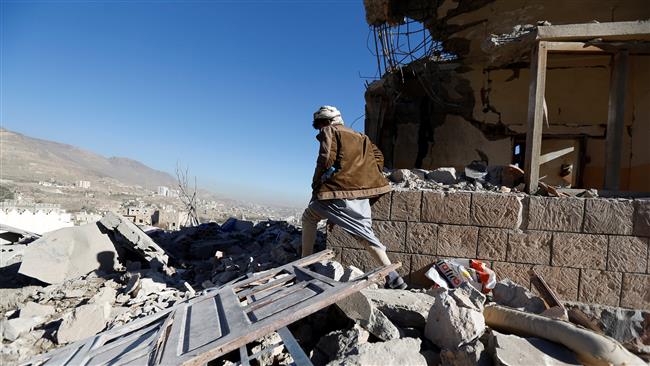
x: 348, y: 173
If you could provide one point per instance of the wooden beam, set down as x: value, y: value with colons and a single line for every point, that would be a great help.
x: 572, y: 47
x: 555, y: 154
x: 639, y: 29
x: 536, y: 91
x: 615, y: 121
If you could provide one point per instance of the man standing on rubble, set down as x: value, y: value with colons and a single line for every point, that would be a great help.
x: 348, y: 173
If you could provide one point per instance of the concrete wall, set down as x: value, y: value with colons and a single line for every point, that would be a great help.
x: 430, y: 115
x: 590, y: 250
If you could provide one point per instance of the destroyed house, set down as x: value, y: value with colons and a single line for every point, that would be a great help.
x: 456, y: 86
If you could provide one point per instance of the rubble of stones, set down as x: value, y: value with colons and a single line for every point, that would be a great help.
x: 425, y: 326
x: 477, y: 177
x: 493, y: 179
x: 37, y: 317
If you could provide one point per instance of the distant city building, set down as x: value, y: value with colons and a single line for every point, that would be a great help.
x: 83, y: 184
x: 163, y: 191
x: 168, y: 219
x: 38, y: 218
x: 83, y: 218
x: 139, y: 215
x: 45, y: 184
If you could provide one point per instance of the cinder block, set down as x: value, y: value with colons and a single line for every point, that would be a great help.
x: 457, y: 241
x: 627, y: 254
x: 446, y: 207
x: 421, y: 238
x: 492, y: 243
x: 555, y: 214
x: 516, y: 272
x: 636, y: 291
x: 496, y: 210
x: 530, y: 247
x: 608, y: 216
x: 579, y: 250
x: 642, y: 217
x: 563, y: 281
x: 600, y: 287
x: 406, y: 205
x: 391, y: 233
x: 420, y: 264
x: 340, y: 238
x: 381, y: 207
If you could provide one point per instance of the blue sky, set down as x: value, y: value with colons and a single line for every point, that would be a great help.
x: 227, y: 87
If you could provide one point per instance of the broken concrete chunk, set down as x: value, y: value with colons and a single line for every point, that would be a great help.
x: 133, y: 238
x: 397, y: 352
x: 402, y: 175
x: 359, y: 308
x: 443, y: 176
x: 472, y: 354
x: 68, y: 253
x: 14, y: 328
x: 339, y: 343
x: 510, y: 294
x: 468, y: 296
x: 32, y: 309
x: 84, y: 321
x: 402, y: 307
x: 350, y: 273
x: 105, y: 296
x: 450, y: 323
x: 628, y: 326
x: 331, y: 269
x: 511, y: 350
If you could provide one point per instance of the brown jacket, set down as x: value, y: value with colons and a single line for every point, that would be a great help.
x: 358, y: 164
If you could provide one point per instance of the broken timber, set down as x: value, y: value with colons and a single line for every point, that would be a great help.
x: 221, y: 320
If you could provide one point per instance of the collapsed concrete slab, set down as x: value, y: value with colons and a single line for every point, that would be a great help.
x: 511, y: 350
x: 83, y: 322
x: 12, y: 329
x: 68, y: 253
x: 128, y: 235
x: 340, y: 343
x: 397, y: 352
x: 472, y: 354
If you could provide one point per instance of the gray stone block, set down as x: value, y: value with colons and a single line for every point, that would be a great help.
x: 421, y: 238
x: 642, y: 217
x: 530, y: 247
x: 627, y: 254
x: 579, y: 250
x: 457, y: 241
x: 492, y: 243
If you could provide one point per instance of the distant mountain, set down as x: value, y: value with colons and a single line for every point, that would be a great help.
x: 30, y: 159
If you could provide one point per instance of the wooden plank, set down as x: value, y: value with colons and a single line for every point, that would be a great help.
x: 243, y: 356
x: 285, y: 302
x: 297, y: 353
x: 284, y: 318
x: 307, y: 273
x: 615, y: 31
x: 204, y: 321
x: 536, y: 91
x: 615, y: 121
x: 544, y: 290
x: 555, y: 154
x: 269, y: 285
x: 317, y: 257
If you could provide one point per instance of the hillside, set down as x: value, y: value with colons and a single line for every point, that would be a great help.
x: 25, y: 158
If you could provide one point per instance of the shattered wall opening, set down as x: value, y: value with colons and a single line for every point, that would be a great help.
x: 435, y: 113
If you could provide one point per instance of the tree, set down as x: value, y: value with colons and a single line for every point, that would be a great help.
x: 187, y: 196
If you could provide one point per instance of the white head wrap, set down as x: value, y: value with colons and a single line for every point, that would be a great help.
x: 329, y: 112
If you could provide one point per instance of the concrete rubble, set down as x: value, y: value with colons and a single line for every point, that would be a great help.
x: 373, y: 326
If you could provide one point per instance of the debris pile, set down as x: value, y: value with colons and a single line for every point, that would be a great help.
x: 477, y: 176
x: 102, y: 275
x: 312, y: 310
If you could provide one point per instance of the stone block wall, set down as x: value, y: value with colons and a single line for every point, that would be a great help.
x: 591, y: 250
